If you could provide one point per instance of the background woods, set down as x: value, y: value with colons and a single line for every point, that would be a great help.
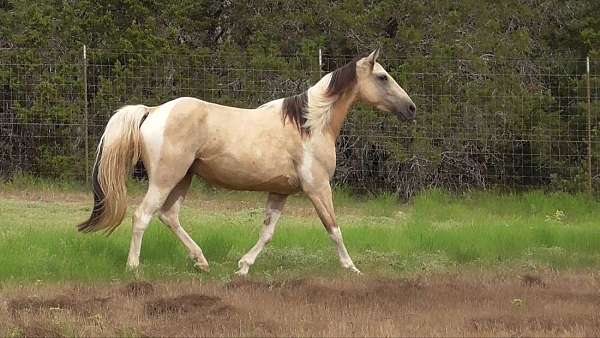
x: 501, y: 88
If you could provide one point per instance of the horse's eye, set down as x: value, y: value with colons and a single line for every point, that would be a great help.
x: 382, y: 77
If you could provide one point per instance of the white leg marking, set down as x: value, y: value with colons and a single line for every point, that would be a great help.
x: 141, y: 220
x: 345, y: 260
x: 195, y: 251
x: 273, y: 212
x: 265, y: 237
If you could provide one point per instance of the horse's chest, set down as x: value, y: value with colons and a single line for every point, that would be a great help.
x: 317, y: 164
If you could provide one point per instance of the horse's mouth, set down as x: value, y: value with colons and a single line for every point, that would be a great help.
x: 405, y: 116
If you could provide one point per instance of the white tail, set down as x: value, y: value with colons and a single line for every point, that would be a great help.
x: 118, y: 151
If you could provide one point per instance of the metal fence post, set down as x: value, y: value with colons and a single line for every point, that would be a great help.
x: 320, y: 63
x: 85, y: 116
x: 589, y: 129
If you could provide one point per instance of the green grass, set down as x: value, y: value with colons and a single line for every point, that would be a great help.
x: 436, y: 232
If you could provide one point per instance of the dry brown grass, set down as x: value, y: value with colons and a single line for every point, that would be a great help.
x: 471, y: 304
x: 196, y: 200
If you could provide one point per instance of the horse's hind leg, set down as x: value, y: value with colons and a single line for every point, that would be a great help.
x: 161, y: 182
x: 154, y: 198
x: 275, y: 203
x: 169, y: 215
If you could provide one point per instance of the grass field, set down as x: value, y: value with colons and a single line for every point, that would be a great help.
x: 477, y: 264
x: 436, y: 232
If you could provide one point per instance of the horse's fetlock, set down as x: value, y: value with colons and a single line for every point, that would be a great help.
x: 244, y: 261
x: 267, y: 220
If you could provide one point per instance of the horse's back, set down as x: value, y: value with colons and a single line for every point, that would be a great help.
x: 244, y: 149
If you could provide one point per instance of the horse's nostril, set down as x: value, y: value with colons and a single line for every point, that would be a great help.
x: 412, y: 108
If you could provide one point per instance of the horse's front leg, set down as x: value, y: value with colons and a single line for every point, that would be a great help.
x: 275, y: 203
x: 323, y: 202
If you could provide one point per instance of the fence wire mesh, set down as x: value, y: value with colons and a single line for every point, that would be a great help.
x: 484, y: 122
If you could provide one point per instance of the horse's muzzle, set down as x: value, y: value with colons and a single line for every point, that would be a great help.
x: 409, y: 113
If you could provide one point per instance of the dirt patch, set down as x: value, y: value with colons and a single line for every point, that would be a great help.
x: 38, y: 330
x: 312, y: 292
x: 185, y: 304
x: 529, y: 280
x: 138, y: 289
x: 516, y: 323
x: 194, y: 200
x: 245, y: 283
x: 430, y: 305
x: 592, y: 298
x: 378, y: 289
x: 59, y: 303
x: 395, y: 287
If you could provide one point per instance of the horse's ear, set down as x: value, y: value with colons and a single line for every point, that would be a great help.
x: 372, y: 58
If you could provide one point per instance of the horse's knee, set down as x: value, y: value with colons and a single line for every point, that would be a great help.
x: 141, y: 219
x: 169, y: 219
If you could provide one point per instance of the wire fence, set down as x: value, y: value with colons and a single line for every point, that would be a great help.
x: 481, y: 123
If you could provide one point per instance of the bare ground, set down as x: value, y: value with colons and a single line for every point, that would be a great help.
x: 301, y: 208
x: 472, y: 304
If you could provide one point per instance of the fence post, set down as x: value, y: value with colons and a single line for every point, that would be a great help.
x: 85, y: 117
x: 589, y: 129
x: 320, y: 63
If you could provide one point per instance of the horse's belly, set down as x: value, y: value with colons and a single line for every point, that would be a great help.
x: 253, y: 175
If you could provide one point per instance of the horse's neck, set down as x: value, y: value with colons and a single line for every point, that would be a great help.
x: 340, y: 111
x: 327, y: 114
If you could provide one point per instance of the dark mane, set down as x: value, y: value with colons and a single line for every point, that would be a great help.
x: 294, y: 109
x: 342, y: 78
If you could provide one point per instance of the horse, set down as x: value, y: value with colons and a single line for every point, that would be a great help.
x: 283, y: 147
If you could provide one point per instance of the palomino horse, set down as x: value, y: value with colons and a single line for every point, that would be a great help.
x: 282, y: 147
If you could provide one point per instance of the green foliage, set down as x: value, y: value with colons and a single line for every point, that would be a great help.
x: 436, y: 232
x: 495, y: 99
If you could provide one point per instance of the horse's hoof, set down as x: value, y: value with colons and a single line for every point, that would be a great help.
x: 203, y: 267
x: 200, y: 262
x: 134, y: 270
x: 132, y: 266
x: 243, y: 271
x: 355, y: 270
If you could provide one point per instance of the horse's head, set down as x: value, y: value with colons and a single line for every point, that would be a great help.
x: 378, y: 88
